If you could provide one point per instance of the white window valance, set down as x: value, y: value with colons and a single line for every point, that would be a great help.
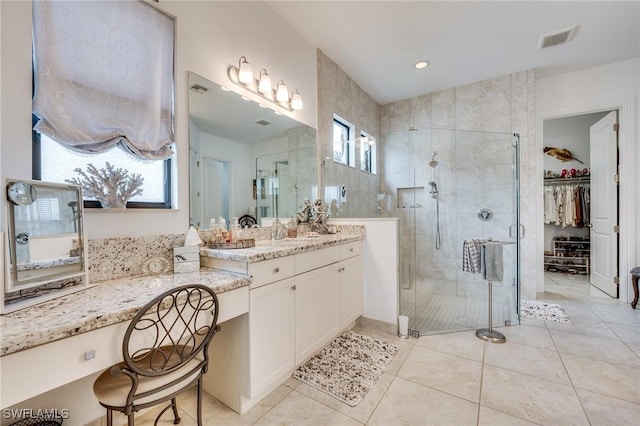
x: 104, y: 73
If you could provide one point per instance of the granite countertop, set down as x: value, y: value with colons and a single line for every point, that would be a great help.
x: 100, y: 305
x: 272, y: 249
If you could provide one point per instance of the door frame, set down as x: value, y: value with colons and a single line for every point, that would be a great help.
x: 628, y: 181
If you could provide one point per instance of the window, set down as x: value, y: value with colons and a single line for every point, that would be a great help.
x: 343, y: 144
x: 57, y: 164
x: 367, y: 153
x: 103, y: 92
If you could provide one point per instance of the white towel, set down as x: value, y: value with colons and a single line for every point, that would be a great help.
x: 492, y: 262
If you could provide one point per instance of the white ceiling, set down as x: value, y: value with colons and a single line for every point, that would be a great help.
x: 377, y: 42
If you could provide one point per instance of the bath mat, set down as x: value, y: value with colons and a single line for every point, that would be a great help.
x: 543, y: 311
x: 348, y: 367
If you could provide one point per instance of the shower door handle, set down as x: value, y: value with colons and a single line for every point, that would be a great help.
x: 511, y: 231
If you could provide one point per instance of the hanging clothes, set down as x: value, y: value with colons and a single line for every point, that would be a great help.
x: 567, y: 204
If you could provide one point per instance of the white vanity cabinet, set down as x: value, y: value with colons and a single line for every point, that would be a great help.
x: 271, y: 331
x: 351, y: 285
x: 317, y: 306
x: 295, y: 308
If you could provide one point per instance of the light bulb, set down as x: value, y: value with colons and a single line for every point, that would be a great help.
x: 282, y: 94
x: 264, y: 84
x: 296, y: 100
x: 245, y: 76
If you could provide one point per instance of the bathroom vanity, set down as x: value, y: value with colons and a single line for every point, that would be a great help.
x: 280, y: 302
x: 304, y: 292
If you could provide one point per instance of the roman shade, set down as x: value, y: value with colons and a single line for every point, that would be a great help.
x: 104, y: 73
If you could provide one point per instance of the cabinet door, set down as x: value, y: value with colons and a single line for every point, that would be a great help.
x: 351, y: 290
x: 316, y: 310
x: 271, y: 327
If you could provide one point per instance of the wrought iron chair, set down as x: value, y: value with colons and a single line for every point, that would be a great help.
x: 165, y: 353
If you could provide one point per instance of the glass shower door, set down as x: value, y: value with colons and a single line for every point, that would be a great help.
x: 465, y: 187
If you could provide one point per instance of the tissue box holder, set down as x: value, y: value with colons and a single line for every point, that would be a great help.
x: 186, y: 259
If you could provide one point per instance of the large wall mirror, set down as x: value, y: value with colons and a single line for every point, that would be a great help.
x: 245, y: 159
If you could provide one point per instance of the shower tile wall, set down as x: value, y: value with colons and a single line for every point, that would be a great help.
x: 339, y: 94
x: 474, y: 171
x: 501, y: 104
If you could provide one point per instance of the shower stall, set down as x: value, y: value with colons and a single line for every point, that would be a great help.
x: 452, y: 186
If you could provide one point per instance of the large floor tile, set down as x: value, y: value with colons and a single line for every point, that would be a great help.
x: 447, y: 373
x: 464, y: 344
x: 536, y: 400
x: 408, y: 403
x: 489, y: 417
x: 605, y: 349
x: 530, y: 335
x: 614, y: 380
x: 604, y: 411
x: 167, y: 418
x: 543, y: 363
x: 626, y: 333
x: 360, y: 412
x: 298, y: 409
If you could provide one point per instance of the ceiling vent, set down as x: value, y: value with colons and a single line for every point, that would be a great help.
x: 199, y: 89
x: 557, y: 37
x: 263, y: 122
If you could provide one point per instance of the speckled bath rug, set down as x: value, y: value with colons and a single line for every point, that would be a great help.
x: 543, y: 311
x: 348, y: 367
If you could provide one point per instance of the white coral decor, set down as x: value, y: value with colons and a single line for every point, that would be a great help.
x: 112, y: 187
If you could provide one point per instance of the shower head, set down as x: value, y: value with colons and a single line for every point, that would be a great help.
x: 434, y: 185
x: 433, y: 163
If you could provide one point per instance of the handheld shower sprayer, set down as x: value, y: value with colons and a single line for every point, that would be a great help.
x: 433, y: 163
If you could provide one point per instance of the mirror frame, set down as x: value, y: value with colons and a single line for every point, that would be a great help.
x: 13, y: 282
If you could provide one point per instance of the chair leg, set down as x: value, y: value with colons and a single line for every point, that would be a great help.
x: 634, y: 283
x: 174, y: 406
x: 109, y: 417
x: 130, y: 420
x: 200, y: 401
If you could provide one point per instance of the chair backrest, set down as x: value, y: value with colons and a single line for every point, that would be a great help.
x: 171, y: 330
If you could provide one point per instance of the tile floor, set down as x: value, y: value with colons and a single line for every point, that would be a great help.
x: 546, y: 373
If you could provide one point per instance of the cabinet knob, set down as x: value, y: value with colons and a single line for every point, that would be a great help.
x: 293, y: 287
x: 276, y: 270
x: 351, y: 249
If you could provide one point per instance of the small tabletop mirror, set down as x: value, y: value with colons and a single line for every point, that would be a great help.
x: 45, y: 236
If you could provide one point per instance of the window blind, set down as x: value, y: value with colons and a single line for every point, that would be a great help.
x: 104, y: 73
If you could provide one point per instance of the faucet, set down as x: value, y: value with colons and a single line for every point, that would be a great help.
x: 278, y: 230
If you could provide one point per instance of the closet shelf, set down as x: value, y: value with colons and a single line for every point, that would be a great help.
x: 567, y: 181
x: 571, y: 256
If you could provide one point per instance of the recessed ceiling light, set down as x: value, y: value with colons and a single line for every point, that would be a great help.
x: 421, y: 65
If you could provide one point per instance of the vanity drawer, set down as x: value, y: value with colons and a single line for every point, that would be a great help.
x: 316, y: 259
x: 269, y: 271
x: 350, y: 249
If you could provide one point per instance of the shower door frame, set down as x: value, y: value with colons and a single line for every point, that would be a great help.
x: 516, y: 232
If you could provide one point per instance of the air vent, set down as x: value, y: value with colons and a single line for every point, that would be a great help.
x: 199, y: 89
x: 263, y: 122
x: 557, y: 37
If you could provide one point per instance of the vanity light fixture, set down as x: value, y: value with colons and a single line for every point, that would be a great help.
x: 245, y: 76
x: 296, y: 100
x: 262, y: 86
x: 264, y: 83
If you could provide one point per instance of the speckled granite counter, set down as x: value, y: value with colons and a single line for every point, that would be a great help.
x: 104, y: 304
x: 265, y: 250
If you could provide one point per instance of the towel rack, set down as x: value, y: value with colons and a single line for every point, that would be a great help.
x: 489, y: 334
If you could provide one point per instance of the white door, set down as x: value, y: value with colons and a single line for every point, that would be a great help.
x: 604, y: 204
x: 214, y: 194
